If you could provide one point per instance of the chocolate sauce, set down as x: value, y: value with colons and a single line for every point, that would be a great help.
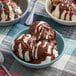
x: 0, y: 16
x: 65, y: 16
x: 16, y: 16
x: 61, y: 9
x: 6, y: 11
x: 70, y: 16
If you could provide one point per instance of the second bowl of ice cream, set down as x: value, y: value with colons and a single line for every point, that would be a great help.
x: 11, y: 11
x: 62, y: 11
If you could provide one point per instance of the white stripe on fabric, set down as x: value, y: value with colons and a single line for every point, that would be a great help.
x: 71, y: 65
x: 60, y: 64
x: 5, y: 30
x: 72, y: 59
x: 1, y: 38
x: 5, y: 43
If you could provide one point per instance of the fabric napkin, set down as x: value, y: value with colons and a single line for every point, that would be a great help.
x: 66, y: 66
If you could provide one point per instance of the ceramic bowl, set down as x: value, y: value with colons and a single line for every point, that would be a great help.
x: 48, y: 9
x: 60, y: 45
x: 24, y: 6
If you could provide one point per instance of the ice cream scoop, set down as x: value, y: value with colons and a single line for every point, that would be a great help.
x: 22, y: 46
x: 42, y: 30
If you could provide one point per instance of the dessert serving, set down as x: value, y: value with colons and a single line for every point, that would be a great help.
x: 38, y: 46
x: 64, y: 9
x: 9, y: 10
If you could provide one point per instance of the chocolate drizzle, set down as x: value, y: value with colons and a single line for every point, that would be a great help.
x: 6, y: 11
x: 65, y: 16
x: 70, y: 16
x: 0, y: 15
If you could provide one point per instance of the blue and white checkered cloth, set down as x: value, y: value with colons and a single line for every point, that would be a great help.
x: 65, y: 66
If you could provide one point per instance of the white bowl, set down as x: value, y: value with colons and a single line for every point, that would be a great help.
x: 48, y: 9
x: 24, y: 6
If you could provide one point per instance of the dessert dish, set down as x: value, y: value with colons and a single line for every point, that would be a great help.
x: 64, y: 9
x: 33, y: 50
x: 9, y: 10
x: 42, y: 30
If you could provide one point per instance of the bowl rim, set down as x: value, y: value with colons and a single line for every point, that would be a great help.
x: 35, y: 65
x: 46, y: 8
x: 28, y: 1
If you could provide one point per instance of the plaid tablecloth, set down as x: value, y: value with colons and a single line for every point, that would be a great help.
x: 66, y: 66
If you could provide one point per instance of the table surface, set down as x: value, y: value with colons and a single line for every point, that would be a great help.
x: 65, y: 66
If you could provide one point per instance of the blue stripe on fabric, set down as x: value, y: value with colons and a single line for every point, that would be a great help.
x: 15, y: 29
x: 74, y: 52
x: 22, y: 21
x: 70, y: 47
x: 5, y: 30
